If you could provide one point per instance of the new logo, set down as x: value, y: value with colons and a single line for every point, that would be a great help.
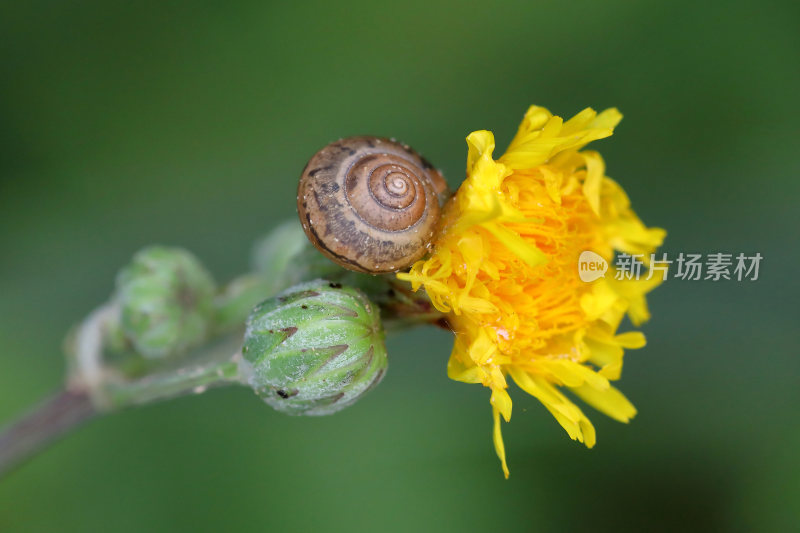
x: 591, y: 266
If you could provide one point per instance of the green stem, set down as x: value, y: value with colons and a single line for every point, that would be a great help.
x: 68, y: 409
x: 44, y: 424
x: 170, y: 384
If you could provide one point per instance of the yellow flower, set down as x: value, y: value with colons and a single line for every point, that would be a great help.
x: 505, y: 269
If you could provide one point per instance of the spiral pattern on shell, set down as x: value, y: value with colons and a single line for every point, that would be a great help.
x: 370, y: 204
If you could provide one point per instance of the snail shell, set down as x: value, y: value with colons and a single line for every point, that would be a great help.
x: 370, y: 204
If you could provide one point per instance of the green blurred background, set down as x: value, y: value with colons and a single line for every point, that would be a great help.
x: 127, y: 123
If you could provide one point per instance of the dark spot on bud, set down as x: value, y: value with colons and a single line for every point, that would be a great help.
x: 335, y: 398
x: 335, y: 285
x: 297, y: 296
x: 304, y: 306
x: 291, y: 330
x: 371, y: 353
x: 390, y: 292
x: 344, y: 310
x: 332, y: 352
x: 286, y: 394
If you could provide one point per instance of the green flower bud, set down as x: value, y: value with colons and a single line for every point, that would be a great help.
x: 314, y: 349
x: 166, y: 300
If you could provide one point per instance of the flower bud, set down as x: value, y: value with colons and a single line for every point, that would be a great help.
x: 314, y: 349
x: 166, y: 301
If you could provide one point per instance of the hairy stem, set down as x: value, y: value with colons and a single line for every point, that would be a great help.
x: 47, y: 422
x: 168, y: 385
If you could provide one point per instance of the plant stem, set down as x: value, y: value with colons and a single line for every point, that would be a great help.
x: 171, y: 384
x: 68, y: 409
x: 47, y: 422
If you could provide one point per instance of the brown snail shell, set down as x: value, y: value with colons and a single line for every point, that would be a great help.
x: 370, y: 204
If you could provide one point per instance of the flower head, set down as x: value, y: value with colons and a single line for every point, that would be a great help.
x: 505, y: 269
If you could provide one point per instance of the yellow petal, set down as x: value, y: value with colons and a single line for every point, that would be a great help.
x: 606, y: 356
x: 516, y: 244
x: 580, y: 121
x: 608, y: 118
x: 571, y: 418
x: 498, y: 441
x: 610, y: 402
x: 480, y: 143
x: 501, y: 401
x: 595, y: 170
x: 572, y: 374
x: 631, y: 340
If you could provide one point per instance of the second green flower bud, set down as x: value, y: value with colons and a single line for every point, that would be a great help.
x: 166, y: 300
